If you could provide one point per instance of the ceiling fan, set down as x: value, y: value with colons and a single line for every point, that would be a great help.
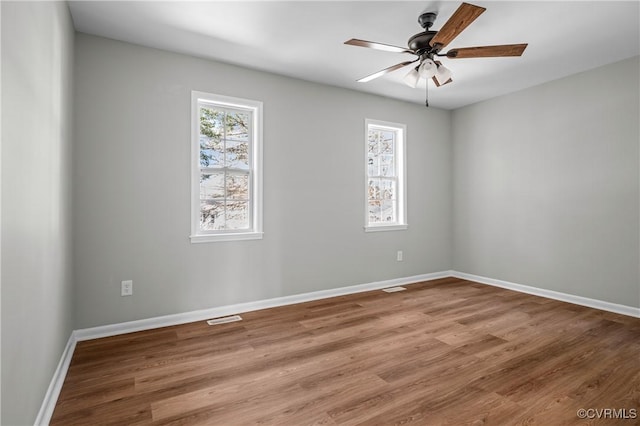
x: 428, y: 44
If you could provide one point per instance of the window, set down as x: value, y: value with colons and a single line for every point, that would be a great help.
x: 226, y: 180
x: 386, y: 188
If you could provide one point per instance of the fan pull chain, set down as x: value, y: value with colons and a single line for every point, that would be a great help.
x: 426, y: 101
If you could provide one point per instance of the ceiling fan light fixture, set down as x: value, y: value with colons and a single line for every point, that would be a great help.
x: 429, y: 44
x: 412, y: 78
x: 443, y: 74
x: 427, y: 68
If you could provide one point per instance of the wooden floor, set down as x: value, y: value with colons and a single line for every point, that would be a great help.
x: 444, y: 352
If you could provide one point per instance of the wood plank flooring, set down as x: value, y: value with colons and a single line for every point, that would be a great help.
x: 444, y: 352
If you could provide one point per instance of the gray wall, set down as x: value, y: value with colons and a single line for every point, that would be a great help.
x: 546, y: 185
x: 131, y: 188
x: 37, y: 293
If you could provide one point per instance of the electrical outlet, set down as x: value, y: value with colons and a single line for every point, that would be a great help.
x: 399, y: 256
x: 126, y: 288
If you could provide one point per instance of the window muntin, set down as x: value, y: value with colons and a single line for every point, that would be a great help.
x: 385, y: 188
x: 226, y: 193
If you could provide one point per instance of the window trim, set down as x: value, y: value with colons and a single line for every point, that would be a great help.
x: 401, y: 168
x: 255, y: 173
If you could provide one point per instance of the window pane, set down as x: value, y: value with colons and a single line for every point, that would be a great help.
x: 237, y: 215
x: 374, y: 212
x: 374, y: 138
x: 210, y: 158
x: 211, y: 186
x: 211, y: 127
x: 373, y: 163
x: 386, y: 165
x: 374, y: 189
x: 238, y: 187
x: 386, y: 142
x: 238, y: 126
x: 211, y: 215
x: 207, y: 142
x: 237, y: 155
x: 387, y: 211
x: 387, y: 189
x: 211, y: 137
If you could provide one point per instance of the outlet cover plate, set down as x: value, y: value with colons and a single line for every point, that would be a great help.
x: 126, y: 288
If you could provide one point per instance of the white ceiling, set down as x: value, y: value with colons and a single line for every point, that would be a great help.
x: 305, y: 39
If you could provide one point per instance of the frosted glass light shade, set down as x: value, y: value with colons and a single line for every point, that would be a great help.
x: 412, y: 78
x: 427, y: 69
x: 443, y: 74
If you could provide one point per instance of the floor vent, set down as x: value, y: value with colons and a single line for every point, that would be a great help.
x: 393, y: 289
x: 224, y: 320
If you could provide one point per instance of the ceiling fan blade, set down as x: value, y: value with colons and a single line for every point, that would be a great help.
x: 435, y: 80
x: 385, y: 71
x: 378, y: 46
x: 487, y: 51
x: 461, y: 18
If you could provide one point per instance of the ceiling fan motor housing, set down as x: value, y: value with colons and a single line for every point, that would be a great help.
x: 419, y: 43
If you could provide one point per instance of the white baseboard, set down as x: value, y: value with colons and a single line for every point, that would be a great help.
x: 51, y: 397
x: 204, y: 314
x: 550, y: 294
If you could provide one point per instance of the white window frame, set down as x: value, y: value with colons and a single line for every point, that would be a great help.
x: 255, y: 174
x: 401, y: 176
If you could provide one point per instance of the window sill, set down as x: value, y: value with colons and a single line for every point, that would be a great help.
x: 214, y: 238
x: 385, y: 228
